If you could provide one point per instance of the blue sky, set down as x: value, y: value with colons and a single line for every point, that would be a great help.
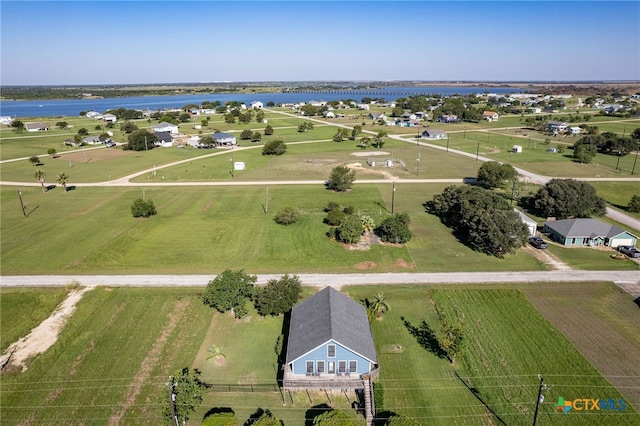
x: 111, y: 42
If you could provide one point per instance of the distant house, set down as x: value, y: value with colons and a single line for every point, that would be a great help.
x: 109, y: 118
x: 256, y: 105
x: 490, y: 116
x: 532, y: 225
x: 165, y: 139
x: 517, y: 149
x: 93, y: 115
x: 165, y: 127
x: 6, y: 120
x: 557, y: 126
x: 36, y: 127
x: 223, y: 138
x: 434, y: 134
x: 375, y: 115
x: 329, y: 114
x: 92, y: 140
x: 574, y: 130
x: 448, y: 119
x: 588, y: 232
x: 408, y: 116
x: 364, y: 107
x: 330, y: 345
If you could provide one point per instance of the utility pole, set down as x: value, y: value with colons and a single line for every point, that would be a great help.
x: 635, y: 161
x: 21, y: 203
x: 448, y: 143
x: 478, y: 150
x: 231, y: 160
x: 266, y: 203
x: 418, y: 165
x: 540, y: 399
x: 172, y: 400
x: 393, y: 196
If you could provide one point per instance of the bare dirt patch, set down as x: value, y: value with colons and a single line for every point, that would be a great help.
x: 365, y: 265
x: 93, y: 154
x: 405, y: 264
x: 43, y: 336
x: 369, y: 153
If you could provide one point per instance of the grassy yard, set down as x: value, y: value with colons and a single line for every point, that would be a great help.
x: 23, y: 309
x: 192, y: 232
x: 618, y: 194
x: 106, y: 366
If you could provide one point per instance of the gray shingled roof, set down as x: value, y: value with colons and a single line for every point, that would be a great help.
x: 329, y: 315
x: 583, y: 228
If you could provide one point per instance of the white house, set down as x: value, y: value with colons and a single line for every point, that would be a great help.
x: 256, y: 105
x: 93, y: 114
x: 329, y: 114
x: 517, y: 149
x: 109, y: 118
x: 165, y: 127
x: 223, y: 138
x: 490, y: 116
x: 434, y: 134
x: 557, y: 126
x: 36, y: 127
x: 6, y: 120
x: 574, y: 130
x: 364, y: 107
x: 532, y: 225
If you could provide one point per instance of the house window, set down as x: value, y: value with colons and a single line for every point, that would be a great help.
x: 331, y: 351
x: 342, y: 367
x: 309, y: 367
x: 320, y: 367
x: 331, y: 367
x: 573, y: 241
x: 353, y: 366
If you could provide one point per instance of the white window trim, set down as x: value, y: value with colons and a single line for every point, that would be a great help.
x: 349, y: 366
x: 335, y: 351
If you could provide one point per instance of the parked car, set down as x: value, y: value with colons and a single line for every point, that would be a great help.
x: 630, y: 251
x: 538, y: 243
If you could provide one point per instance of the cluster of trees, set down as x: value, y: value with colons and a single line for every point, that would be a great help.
x: 567, y: 198
x: 348, y: 227
x: 187, y: 392
x: 494, y: 174
x: 125, y: 114
x: 585, y: 149
x: 634, y: 204
x: 303, y: 127
x: 274, y: 147
x: 143, y: 208
x: 480, y: 218
x: 231, y: 290
x: 249, y: 135
x: 141, y: 140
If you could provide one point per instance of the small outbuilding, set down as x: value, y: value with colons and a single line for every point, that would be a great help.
x: 517, y: 149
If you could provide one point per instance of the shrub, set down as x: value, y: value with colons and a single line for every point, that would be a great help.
x: 220, y: 419
x: 634, y: 204
x: 142, y: 208
x: 286, y: 216
x: 395, y: 229
x: 274, y: 147
x: 334, y: 217
x: 341, y: 179
x: 246, y: 134
x: 349, y: 230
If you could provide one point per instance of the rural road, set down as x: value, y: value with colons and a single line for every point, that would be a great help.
x: 333, y: 280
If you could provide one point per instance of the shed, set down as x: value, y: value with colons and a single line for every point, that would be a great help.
x: 517, y: 149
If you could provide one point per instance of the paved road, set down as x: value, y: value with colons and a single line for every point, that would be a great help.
x: 333, y: 280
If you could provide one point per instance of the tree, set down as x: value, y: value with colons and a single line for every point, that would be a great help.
x: 246, y: 134
x: 379, y: 139
x: 274, y: 147
x: 451, y: 337
x: 259, y: 116
x: 341, y: 135
x: 34, y: 159
x: 634, y: 204
x: 83, y: 132
x: 355, y: 132
x: 17, y: 125
x: 52, y: 152
x: 334, y: 217
x: 566, y: 198
x: 334, y: 418
x: 341, y: 179
x: 62, y: 124
x: 63, y: 179
x: 268, y: 131
x: 286, y: 216
x: 267, y: 419
x: 584, y: 153
x: 379, y: 305
x: 303, y: 127
x: 397, y: 112
x: 278, y: 296
x: 128, y: 127
x: 495, y: 175
x: 141, y: 140
x: 229, y: 290
x: 636, y: 133
x: 142, y: 208
x: 256, y: 137
x: 187, y: 393
x: 395, y: 229
x: 365, y: 142
x: 482, y: 219
x: 350, y: 230
x: 215, y: 352
x: 224, y: 418
x: 39, y: 175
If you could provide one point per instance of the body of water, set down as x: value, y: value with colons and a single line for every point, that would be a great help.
x: 73, y: 107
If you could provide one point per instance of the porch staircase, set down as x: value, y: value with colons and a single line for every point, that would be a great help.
x: 369, y: 405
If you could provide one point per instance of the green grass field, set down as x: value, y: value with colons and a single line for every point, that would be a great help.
x: 113, y: 358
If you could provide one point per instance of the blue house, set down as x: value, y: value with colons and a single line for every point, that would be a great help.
x: 223, y: 138
x: 588, y: 232
x: 330, y: 345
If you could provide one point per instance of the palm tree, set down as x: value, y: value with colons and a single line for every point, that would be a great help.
x: 63, y: 178
x: 380, y: 305
x: 215, y: 351
x: 39, y: 175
